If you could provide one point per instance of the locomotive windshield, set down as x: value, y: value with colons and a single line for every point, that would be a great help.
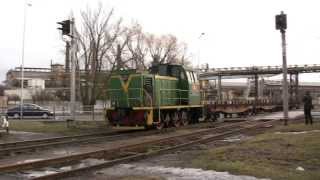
x: 169, y: 70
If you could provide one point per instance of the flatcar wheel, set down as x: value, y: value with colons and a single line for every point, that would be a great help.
x: 184, y: 118
x: 176, y: 119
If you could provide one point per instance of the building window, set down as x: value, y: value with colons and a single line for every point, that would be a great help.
x: 25, y: 83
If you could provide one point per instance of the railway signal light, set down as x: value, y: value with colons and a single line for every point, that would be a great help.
x: 65, y: 27
x: 281, y: 24
x: 281, y: 21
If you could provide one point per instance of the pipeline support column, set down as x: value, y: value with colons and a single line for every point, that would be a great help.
x: 219, y: 89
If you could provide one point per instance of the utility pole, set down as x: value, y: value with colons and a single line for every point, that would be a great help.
x: 281, y: 24
x: 73, y: 70
x: 67, y: 58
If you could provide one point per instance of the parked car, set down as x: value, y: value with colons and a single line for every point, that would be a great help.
x: 29, y: 110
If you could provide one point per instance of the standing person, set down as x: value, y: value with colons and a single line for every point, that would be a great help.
x: 307, y: 101
x: 5, y: 123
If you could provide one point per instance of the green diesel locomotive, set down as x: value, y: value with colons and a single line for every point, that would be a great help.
x: 165, y: 95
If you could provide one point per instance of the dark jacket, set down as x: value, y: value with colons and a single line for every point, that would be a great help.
x: 307, y: 100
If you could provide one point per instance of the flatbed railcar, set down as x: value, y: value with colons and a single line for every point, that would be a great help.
x: 242, y: 108
x: 165, y: 95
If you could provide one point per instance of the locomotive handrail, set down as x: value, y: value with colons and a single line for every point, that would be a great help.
x: 139, y: 99
x: 128, y: 98
x: 149, y: 96
x: 116, y: 98
x: 179, y: 91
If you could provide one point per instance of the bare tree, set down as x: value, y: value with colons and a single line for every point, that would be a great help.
x: 182, y: 56
x: 42, y: 96
x: 119, y: 51
x: 103, y: 45
x: 14, y: 98
x: 166, y: 49
x: 130, y: 49
x: 137, y: 47
x: 95, y: 39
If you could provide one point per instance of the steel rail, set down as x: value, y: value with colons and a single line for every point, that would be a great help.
x: 139, y: 156
x: 191, y: 138
x: 89, y: 138
x: 44, y: 140
x: 21, y: 146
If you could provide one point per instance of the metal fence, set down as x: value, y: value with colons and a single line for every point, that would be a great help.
x: 62, y: 111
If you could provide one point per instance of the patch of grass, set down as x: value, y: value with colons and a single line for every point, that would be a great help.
x: 59, y: 127
x: 270, y: 155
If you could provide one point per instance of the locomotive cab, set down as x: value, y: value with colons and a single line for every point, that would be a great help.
x: 194, y: 87
x: 182, y: 83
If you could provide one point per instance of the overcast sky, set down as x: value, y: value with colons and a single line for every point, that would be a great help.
x: 237, y: 33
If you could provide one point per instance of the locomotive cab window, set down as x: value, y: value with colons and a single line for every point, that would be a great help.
x: 163, y: 71
x: 195, y: 76
x: 148, y: 84
x: 175, y: 72
x: 182, y: 75
x: 190, y: 77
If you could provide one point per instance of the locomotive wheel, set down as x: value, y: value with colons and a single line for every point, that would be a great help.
x: 167, y: 120
x: 162, y: 122
x: 176, y: 119
x: 184, y: 118
x: 160, y: 125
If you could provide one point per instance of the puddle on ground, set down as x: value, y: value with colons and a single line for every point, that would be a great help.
x: 63, y: 152
x: 297, y: 132
x: 208, y: 136
x: 92, y: 161
x: 171, y: 173
x: 28, y: 161
x: 47, y: 171
x: 66, y: 168
x: 236, y: 138
x: 22, y: 132
x: 35, y: 174
x: 84, y: 163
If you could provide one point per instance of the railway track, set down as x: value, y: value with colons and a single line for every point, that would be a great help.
x: 21, y: 146
x: 61, y: 167
x: 30, y: 145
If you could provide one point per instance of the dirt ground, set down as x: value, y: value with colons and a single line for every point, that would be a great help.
x: 168, y: 165
x: 174, y: 166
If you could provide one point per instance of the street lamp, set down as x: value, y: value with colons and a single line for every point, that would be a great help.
x: 199, y: 44
x: 26, y: 4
